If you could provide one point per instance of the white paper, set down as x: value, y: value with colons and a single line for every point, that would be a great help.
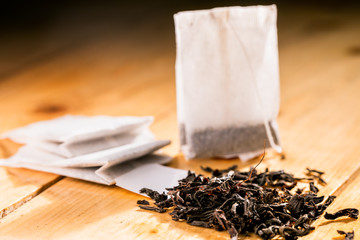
x: 71, y: 129
x: 153, y: 176
x: 227, y: 80
x: 92, y: 145
x: 112, y: 172
x: 87, y: 174
x: 95, y: 174
x: 109, y: 157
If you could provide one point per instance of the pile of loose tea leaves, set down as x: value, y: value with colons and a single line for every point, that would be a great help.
x: 246, y: 202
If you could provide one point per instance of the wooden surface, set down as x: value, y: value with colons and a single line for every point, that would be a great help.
x: 125, y: 66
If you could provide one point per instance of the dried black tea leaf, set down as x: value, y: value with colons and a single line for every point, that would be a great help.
x: 313, y: 188
x: 322, y: 207
x: 349, y: 212
x: 207, y: 169
x: 299, y: 190
x: 316, y: 174
x: 217, y: 172
x: 320, y: 180
x: 155, y: 209
x: 154, y: 195
x: 242, y: 202
x: 296, y: 205
x: 311, y: 171
x: 143, y: 202
x: 348, y: 235
x: 200, y: 224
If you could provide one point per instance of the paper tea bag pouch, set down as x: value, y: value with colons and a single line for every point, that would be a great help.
x: 227, y: 81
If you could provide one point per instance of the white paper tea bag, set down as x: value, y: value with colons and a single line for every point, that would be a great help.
x: 112, y: 172
x: 105, y: 158
x: 108, y: 175
x: 153, y: 176
x: 71, y: 136
x: 86, y: 174
x: 227, y: 81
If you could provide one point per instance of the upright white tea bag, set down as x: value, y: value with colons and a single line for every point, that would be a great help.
x: 227, y: 81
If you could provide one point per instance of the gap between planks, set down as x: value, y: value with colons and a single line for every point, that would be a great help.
x: 342, y: 187
x: 8, y: 210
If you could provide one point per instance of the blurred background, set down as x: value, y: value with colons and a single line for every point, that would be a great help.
x: 37, y: 31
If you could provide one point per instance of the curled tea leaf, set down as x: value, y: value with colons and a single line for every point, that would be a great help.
x: 155, y: 209
x: 154, y: 195
x: 349, y: 212
x: 313, y: 188
x: 348, y: 235
x: 143, y: 202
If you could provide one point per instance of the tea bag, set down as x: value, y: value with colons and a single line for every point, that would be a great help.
x: 71, y: 136
x: 97, y: 174
x: 106, y: 158
x: 112, y: 172
x: 162, y: 177
x: 227, y: 81
x: 87, y: 174
x: 92, y: 145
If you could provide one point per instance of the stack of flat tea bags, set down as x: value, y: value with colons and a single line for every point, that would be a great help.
x: 100, y: 149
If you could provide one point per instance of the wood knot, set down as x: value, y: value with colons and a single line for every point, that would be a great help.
x: 50, y: 108
x: 154, y: 231
x: 353, y: 50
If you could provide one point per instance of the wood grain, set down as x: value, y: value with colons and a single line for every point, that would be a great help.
x: 348, y: 197
x: 319, y: 116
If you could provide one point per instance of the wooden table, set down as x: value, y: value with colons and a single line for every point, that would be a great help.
x: 119, y: 60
